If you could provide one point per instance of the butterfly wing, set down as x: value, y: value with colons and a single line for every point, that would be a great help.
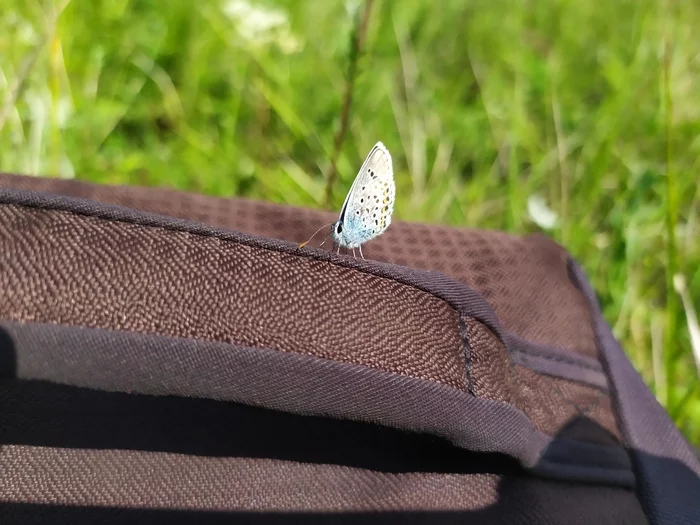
x: 367, y: 210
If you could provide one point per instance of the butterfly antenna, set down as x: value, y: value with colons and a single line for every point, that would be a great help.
x: 314, y: 235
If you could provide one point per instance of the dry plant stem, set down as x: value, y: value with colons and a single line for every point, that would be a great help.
x: 355, y: 50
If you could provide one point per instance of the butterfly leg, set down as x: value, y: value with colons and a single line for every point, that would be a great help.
x: 324, y: 240
x: 363, y: 257
x: 353, y: 252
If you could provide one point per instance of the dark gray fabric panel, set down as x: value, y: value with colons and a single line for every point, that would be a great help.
x: 559, y: 368
x: 668, y: 471
x: 518, y: 344
x: 156, y: 365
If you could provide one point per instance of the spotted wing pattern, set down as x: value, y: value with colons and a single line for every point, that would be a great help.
x: 370, y: 202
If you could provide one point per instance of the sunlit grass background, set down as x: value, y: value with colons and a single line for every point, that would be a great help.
x: 577, y: 118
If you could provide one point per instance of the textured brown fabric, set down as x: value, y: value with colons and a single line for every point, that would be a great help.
x: 159, y: 480
x: 133, y: 478
x: 524, y: 279
x: 551, y: 403
x: 120, y: 276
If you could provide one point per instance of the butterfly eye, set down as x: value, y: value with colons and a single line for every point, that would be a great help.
x: 339, y: 228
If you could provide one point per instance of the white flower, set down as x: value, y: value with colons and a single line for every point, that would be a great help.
x: 259, y: 25
x: 540, y: 213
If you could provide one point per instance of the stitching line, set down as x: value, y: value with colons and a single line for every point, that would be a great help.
x: 463, y: 333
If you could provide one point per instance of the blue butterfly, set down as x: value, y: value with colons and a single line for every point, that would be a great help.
x: 366, y: 212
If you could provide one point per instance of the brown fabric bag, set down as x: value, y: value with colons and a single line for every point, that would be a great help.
x: 175, y: 358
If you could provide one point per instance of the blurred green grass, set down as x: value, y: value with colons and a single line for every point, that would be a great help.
x: 491, y: 110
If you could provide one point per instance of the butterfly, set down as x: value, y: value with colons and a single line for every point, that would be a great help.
x: 366, y: 212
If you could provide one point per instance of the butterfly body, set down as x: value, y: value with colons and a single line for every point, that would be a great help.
x: 367, y: 209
